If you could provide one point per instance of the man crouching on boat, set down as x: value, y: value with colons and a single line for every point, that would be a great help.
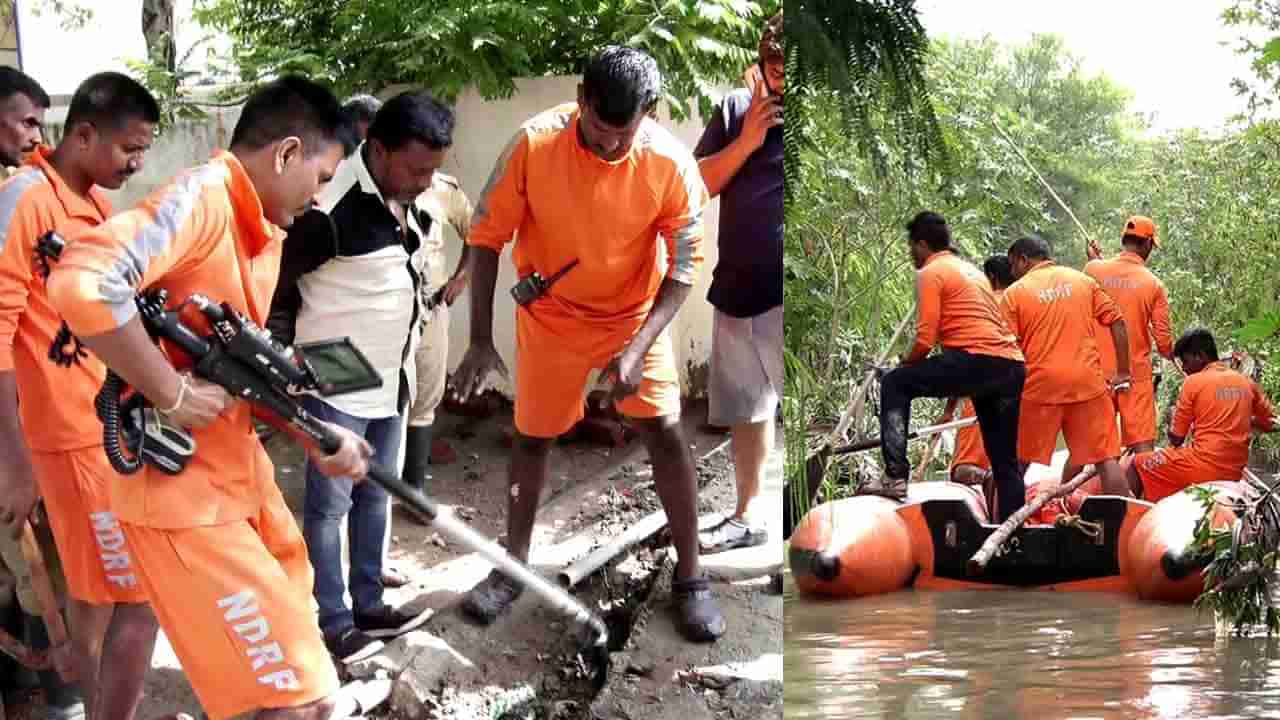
x: 980, y: 359
x: 1222, y: 405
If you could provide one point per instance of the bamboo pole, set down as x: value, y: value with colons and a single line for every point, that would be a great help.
x: 978, y: 563
x: 996, y: 124
x: 872, y: 443
x: 24, y: 654
x: 59, y: 648
x: 816, y: 465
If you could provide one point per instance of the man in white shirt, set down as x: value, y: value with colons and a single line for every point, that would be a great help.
x: 355, y: 267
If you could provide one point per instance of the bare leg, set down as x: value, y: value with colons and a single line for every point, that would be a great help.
x: 1113, y: 479
x: 676, y: 483
x: 87, y: 626
x: 129, y: 642
x: 751, y: 444
x: 1130, y: 470
x: 527, y: 474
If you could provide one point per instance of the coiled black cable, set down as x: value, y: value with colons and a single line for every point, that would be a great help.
x: 107, y: 405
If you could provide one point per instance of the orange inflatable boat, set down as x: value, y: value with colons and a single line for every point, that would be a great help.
x: 870, y: 545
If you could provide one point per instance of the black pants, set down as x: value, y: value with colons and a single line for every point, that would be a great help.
x: 995, y: 386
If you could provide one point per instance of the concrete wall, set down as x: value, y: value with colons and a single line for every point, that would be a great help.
x: 483, y: 129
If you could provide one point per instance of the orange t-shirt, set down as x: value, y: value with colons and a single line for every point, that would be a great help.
x: 56, y: 402
x: 959, y: 311
x: 205, y: 233
x: 1221, y: 403
x: 564, y: 203
x: 1145, y: 307
x: 1053, y: 310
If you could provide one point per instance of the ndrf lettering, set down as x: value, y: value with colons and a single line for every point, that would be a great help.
x: 116, y: 564
x: 242, y: 614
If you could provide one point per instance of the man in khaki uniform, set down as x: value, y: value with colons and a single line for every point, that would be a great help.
x: 446, y: 204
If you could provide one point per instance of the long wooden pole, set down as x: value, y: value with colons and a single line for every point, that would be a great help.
x: 995, y: 123
x: 978, y: 563
x: 59, y: 648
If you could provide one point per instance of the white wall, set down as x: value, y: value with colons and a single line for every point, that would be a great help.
x: 483, y: 129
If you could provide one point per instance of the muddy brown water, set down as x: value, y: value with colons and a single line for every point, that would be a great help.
x: 1009, y: 654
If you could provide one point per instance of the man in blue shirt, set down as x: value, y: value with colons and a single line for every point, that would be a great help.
x: 740, y: 155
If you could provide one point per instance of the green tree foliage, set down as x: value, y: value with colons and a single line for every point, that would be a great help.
x: 872, y: 54
x: 448, y: 45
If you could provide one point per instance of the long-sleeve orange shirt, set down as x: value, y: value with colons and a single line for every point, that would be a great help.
x: 1145, y: 307
x: 1053, y: 311
x: 205, y: 233
x: 957, y: 309
x: 563, y: 203
x: 1221, y: 403
x: 57, y: 402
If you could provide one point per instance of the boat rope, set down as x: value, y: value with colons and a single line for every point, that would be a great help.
x: 1091, y: 530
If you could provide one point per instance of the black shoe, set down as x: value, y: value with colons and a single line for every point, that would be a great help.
x: 885, y: 486
x: 352, y: 645
x: 729, y: 534
x: 698, y: 616
x: 417, y: 455
x: 491, y: 597
x: 387, y: 621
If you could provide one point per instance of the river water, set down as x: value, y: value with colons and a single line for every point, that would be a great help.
x: 1010, y: 654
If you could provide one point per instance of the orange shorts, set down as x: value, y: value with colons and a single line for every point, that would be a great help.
x: 551, y: 377
x: 96, y: 558
x: 1089, y: 427
x: 969, y: 447
x: 1137, y: 409
x: 235, y: 602
x: 1168, y: 471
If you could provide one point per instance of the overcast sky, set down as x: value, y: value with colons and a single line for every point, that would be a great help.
x: 1166, y: 52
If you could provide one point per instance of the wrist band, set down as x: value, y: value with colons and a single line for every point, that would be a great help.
x: 185, y: 381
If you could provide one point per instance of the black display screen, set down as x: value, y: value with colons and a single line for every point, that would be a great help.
x: 339, y: 367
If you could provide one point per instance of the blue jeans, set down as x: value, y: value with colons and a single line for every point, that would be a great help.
x: 365, y: 505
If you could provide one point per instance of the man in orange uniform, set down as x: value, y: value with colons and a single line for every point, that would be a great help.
x: 597, y: 183
x: 979, y: 359
x: 1145, y: 307
x: 1053, y: 310
x: 970, y: 465
x: 216, y: 549
x: 110, y: 125
x: 1221, y: 406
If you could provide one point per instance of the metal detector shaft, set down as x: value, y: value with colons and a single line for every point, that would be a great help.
x: 914, y: 434
x: 464, y: 535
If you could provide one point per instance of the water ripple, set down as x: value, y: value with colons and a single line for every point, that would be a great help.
x: 1035, y: 655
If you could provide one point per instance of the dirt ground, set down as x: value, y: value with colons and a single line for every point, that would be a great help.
x: 527, y: 665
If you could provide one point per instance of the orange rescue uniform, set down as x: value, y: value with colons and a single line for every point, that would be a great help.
x: 56, y: 401
x: 564, y: 203
x: 1145, y: 307
x: 1219, y: 404
x: 1053, y: 311
x: 972, y: 321
x: 218, y: 551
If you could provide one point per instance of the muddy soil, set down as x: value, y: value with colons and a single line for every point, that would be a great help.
x: 527, y: 664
